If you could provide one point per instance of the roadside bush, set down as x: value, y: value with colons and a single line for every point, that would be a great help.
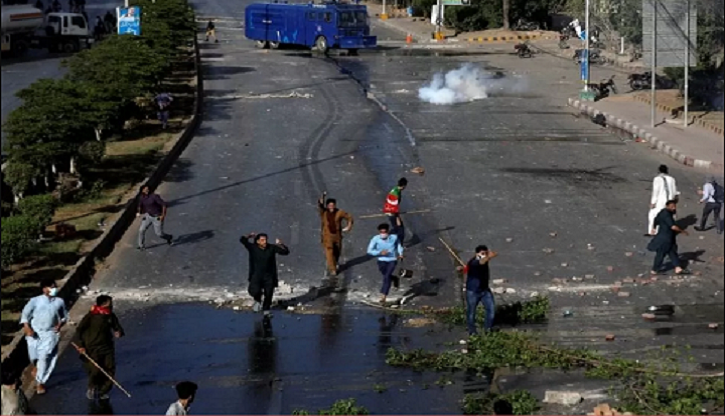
x: 18, y: 238
x: 38, y: 208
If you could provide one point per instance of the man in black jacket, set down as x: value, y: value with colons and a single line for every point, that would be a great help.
x: 665, y: 242
x: 263, y: 268
x: 94, y: 336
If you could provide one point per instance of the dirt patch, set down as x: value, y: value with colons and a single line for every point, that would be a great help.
x: 129, y: 159
x: 419, y: 322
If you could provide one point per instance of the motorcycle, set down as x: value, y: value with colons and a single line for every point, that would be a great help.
x: 604, y: 88
x: 523, y: 50
x: 595, y: 56
x: 644, y: 82
x: 524, y: 26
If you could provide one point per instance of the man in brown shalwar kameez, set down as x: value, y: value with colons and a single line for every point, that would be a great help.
x: 332, y: 229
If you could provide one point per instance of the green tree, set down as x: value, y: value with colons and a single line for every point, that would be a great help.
x: 39, y: 209
x: 18, y: 176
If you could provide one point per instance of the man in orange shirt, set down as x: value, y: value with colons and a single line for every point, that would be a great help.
x: 332, y: 228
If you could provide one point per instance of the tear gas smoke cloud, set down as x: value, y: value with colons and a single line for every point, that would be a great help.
x: 468, y: 83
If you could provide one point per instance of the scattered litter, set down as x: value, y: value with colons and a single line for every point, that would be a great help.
x: 463, y: 342
x: 590, y: 247
x: 566, y: 398
x: 629, y: 254
x: 649, y: 316
x: 554, y: 289
x: 628, y: 280
x: 616, y: 289
x: 568, y: 314
x: 624, y: 294
x: 464, y: 351
x: 499, y: 290
x: 605, y: 302
x: 552, y: 235
x: 236, y: 308
x: 293, y: 94
x: 537, y: 273
x: 431, y: 249
x: 510, y: 291
x: 589, y: 276
x: 582, y: 294
x: 290, y: 309
x: 499, y: 281
x: 534, y: 294
x: 418, y: 171
x: 714, y: 326
x: 564, y: 264
x: 610, y: 337
x: 508, y: 240
x: 547, y: 201
x: 610, y: 268
x: 577, y: 279
x: 548, y: 250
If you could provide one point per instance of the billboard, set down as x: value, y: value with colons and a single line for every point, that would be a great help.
x: 129, y: 20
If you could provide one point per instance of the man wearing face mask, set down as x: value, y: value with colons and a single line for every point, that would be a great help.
x: 387, y: 249
x: 42, y: 319
x: 95, y: 337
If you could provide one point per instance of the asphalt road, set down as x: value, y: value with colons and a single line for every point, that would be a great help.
x: 19, y: 73
x: 507, y: 171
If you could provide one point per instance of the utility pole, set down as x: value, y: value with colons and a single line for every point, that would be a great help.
x: 687, y: 67
x: 586, y: 94
x: 653, y: 80
x: 439, y: 20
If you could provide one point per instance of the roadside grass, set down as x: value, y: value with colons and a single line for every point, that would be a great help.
x: 129, y: 160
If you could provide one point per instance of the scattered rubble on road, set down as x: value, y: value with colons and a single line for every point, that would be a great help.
x: 566, y: 398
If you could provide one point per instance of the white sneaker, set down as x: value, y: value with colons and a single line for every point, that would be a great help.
x: 257, y: 307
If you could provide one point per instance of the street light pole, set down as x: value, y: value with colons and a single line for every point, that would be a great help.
x: 586, y: 46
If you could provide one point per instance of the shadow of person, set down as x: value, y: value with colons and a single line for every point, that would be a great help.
x: 263, y: 349
x: 101, y: 407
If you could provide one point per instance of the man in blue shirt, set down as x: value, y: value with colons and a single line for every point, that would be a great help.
x: 388, y: 250
x: 42, y: 319
x: 478, y: 290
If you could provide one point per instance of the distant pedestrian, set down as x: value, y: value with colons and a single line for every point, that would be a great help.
x: 14, y: 401
x: 163, y: 102
x: 100, y: 29
x: 665, y: 242
x: 263, y: 278
x: 110, y: 20
x: 186, y: 391
x: 392, y: 209
x: 388, y: 250
x: 95, y: 337
x: 42, y: 318
x: 211, y: 31
x: 478, y: 289
x: 713, y: 196
x: 664, y: 188
x: 152, y: 210
x: 332, y: 229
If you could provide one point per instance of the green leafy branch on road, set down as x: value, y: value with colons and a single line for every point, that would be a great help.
x: 340, y: 407
x: 659, y: 387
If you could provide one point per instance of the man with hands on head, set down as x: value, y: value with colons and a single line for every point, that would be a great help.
x: 263, y: 277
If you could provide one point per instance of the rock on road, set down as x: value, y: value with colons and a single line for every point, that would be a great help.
x: 282, y: 126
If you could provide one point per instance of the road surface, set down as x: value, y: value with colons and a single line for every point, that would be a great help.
x: 517, y: 171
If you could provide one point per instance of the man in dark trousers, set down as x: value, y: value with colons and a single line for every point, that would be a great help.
x: 95, y: 337
x: 712, y: 196
x: 392, y: 209
x: 152, y: 210
x: 263, y: 277
x: 665, y: 242
x: 478, y: 289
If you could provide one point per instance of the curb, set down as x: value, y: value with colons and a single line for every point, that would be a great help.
x: 498, y: 39
x: 568, y: 55
x: 643, y: 134
x: 676, y: 112
x: 15, y: 358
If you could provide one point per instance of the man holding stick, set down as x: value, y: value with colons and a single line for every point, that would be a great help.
x: 95, y: 339
x: 332, y: 218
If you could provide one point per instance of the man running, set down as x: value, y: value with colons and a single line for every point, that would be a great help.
x: 392, y: 209
x: 332, y: 230
x: 163, y: 101
x: 95, y: 337
x: 42, y: 318
x: 211, y: 31
x: 152, y: 210
x: 263, y: 278
x: 388, y: 250
x: 186, y: 391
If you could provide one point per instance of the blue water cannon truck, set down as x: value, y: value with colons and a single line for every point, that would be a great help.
x: 325, y: 26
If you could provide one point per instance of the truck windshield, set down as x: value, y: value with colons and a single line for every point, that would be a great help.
x: 353, y: 19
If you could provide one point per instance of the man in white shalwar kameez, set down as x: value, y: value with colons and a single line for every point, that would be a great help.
x: 664, y: 188
x: 42, y: 319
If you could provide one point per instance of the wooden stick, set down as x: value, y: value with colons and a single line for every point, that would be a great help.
x: 453, y: 253
x: 102, y: 370
x: 422, y: 211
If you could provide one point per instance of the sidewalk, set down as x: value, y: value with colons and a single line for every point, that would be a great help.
x: 617, y: 60
x: 422, y: 30
x: 669, y: 101
x: 695, y: 146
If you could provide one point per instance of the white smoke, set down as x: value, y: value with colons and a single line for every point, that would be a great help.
x: 468, y: 83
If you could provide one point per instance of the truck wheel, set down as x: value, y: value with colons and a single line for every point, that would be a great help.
x: 274, y: 45
x: 261, y: 44
x: 352, y: 52
x: 321, y: 45
x: 69, y: 47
